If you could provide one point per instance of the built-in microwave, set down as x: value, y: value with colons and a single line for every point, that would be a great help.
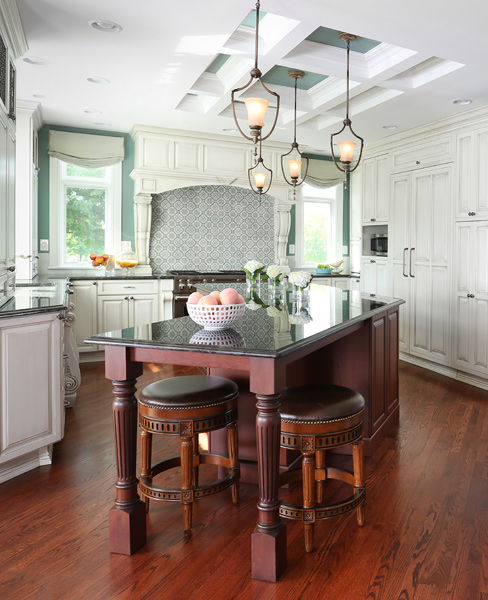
x: 379, y: 244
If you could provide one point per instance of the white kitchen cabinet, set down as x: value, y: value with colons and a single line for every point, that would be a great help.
x: 7, y: 206
x: 124, y: 304
x: 31, y: 391
x: 420, y: 228
x: 374, y: 276
x: 470, y: 321
x: 119, y: 312
x: 432, y: 151
x: 26, y: 175
x: 375, y: 189
x: 335, y: 281
x: 84, y: 300
x: 471, y: 191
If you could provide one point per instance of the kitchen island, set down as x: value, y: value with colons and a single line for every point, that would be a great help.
x: 339, y: 337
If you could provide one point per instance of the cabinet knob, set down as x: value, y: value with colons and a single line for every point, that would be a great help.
x: 94, y: 283
x: 11, y: 269
x: 373, y: 219
x: 417, y: 162
x: 471, y: 214
x: 470, y: 295
x: 126, y: 298
x: 373, y: 261
x: 131, y: 298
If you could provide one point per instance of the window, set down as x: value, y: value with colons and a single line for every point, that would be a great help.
x: 319, y: 226
x: 85, y: 212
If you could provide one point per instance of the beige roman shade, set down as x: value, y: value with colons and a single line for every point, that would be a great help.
x: 323, y: 174
x: 85, y: 150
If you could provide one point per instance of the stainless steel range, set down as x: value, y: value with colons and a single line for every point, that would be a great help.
x: 185, y: 283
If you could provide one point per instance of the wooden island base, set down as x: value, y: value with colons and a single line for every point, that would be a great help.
x: 365, y: 359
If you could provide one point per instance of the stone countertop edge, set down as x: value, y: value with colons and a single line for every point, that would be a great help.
x: 281, y: 352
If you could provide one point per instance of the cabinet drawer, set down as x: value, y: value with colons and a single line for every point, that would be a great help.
x: 131, y: 286
x: 430, y: 152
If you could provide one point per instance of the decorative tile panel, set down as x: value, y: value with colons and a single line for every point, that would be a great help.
x: 210, y: 227
x: 3, y: 71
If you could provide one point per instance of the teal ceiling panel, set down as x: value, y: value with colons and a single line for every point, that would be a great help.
x: 330, y: 37
x: 279, y: 76
x: 218, y: 61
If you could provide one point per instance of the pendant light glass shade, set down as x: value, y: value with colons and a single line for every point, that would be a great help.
x: 346, y: 147
x: 294, y: 157
x: 256, y: 107
x: 261, y: 175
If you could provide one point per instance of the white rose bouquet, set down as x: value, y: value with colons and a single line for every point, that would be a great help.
x: 252, y: 269
x: 300, y: 279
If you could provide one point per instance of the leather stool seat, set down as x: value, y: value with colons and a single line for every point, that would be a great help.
x: 187, y: 406
x: 315, y: 418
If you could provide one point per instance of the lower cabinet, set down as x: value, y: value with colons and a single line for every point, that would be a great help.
x: 384, y: 380
x: 374, y: 276
x: 111, y: 304
x: 471, y: 300
x: 31, y: 391
x: 339, y: 282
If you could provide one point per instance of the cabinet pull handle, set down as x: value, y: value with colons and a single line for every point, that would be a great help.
x: 129, y: 287
x: 404, y: 262
x: 410, y: 266
x: 373, y: 219
x: 470, y: 295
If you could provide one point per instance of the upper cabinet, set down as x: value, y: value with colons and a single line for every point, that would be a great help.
x: 472, y: 175
x: 375, y: 188
x: 436, y: 150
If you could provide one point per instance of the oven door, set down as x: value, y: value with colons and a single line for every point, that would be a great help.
x: 179, y: 305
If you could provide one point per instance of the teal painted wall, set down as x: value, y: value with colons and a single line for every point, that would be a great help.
x: 346, y: 213
x: 127, y: 183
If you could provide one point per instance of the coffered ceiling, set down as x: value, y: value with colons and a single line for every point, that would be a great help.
x: 174, y: 64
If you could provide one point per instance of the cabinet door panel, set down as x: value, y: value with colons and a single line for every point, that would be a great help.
x: 378, y: 392
x: 441, y: 217
x: 85, y: 310
x: 480, y: 331
x: 143, y: 310
x: 3, y: 197
x: 401, y: 287
x: 479, y: 261
x: 368, y: 277
x: 113, y: 313
x: 399, y: 237
x: 382, y: 180
x: 480, y: 204
x: 420, y: 325
x: 439, y: 314
x: 462, y: 258
x: 32, y: 406
x: 369, y: 190
x: 464, y: 180
x: 422, y: 222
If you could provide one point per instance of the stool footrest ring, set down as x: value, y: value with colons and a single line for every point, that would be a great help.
x: 154, y: 492
x: 322, y: 511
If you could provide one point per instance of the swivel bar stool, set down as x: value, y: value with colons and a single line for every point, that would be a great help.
x: 186, y: 406
x: 315, y: 418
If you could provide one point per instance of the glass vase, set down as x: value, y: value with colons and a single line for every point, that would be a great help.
x: 253, y: 281
x: 276, y: 285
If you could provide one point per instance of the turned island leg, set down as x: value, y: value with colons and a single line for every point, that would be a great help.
x: 127, y: 518
x: 268, y: 542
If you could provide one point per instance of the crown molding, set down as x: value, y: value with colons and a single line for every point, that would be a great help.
x: 11, y: 24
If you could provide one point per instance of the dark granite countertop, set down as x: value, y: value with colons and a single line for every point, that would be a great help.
x: 271, y: 326
x: 39, y: 297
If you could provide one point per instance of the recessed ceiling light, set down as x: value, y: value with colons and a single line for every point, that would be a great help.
x: 93, y: 111
x: 462, y: 101
x: 35, y: 60
x: 38, y: 96
x: 98, y: 80
x: 105, y: 26
x: 103, y: 124
x: 229, y: 130
x: 389, y: 126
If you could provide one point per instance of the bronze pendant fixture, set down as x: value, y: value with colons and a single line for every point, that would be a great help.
x: 346, y: 147
x: 294, y: 164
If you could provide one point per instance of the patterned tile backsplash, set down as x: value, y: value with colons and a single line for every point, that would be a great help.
x: 210, y: 227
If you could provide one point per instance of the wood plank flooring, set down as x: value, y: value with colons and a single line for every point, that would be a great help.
x: 425, y: 538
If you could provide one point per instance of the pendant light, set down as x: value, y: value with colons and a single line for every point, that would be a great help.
x: 346, y: 147
x: 259, y: 172
x: 256, y: 107
x: 295, y: 157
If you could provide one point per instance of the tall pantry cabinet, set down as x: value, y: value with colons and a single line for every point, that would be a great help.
x: 419, y: 248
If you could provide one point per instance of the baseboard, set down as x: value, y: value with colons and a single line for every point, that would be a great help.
x: 468, y: 378
x: 89, y: 357
x: 25, y: 463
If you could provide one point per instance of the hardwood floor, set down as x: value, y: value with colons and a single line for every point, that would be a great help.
x: 425, y: 538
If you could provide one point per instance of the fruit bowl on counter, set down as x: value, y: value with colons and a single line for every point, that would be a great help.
x: 217, y: 316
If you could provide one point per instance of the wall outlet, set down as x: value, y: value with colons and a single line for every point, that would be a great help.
x: 345, y: 250
x: 44, y: 245
x: 291, y: 248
